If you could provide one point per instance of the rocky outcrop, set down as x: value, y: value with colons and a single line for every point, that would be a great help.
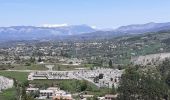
x: 5, y: 83
x: 151, y: 59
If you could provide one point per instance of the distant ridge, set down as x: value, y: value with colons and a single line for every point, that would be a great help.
x: 76, y: 32
x: 143, y: 28
x: 32, y: 32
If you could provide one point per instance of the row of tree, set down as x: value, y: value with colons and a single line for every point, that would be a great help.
x: 147, y: 85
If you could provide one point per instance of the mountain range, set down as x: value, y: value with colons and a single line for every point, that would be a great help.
x: 32, y: 32
x: 75, y: 31
x: 143, y: 28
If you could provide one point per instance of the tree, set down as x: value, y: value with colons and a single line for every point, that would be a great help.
x: 95, y: 97
x: 71, y: 62
x: 147, y: 86
x: 27, y: 64
x: 24, y: 95
x: 119, y: 67
x: 48, y: 96
x: 96, y: 79
x: 110, y: 63
x: 32, y: 60
x: 83, y: 85
x: 26, y: 83
x: 58, y: 68
x: 167, y: 80
x: 101, y: 76
x: 128, y: 84
x: 113, y: 91
x: 78, y: 88
x: 17, y: 58
x: 164, y: 68
x: 39, y: 59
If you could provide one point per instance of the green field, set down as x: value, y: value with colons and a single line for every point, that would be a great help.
x: 72, y: 86
x: 68, y: 85
x: 61, y: 67
x: 20, y: 76
x: 9, y: 94
x: 31, y: 67
x: 56, y: 67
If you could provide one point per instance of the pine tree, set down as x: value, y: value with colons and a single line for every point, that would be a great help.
x: 110, y: 63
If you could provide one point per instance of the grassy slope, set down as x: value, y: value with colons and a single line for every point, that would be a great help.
x: 20, y: 76
x: 9, y: 94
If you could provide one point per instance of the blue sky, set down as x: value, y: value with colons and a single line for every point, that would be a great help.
x: 100, y: 13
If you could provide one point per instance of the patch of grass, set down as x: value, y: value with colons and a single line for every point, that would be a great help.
x: 20, y: 76
x: 72, y: 86
x: 56, y: 67
x: 68, y: 85
x: 100, y: 92
x: 151, y: 49
x: 8, y: 94
x: 31, y: 67
x: 61, y: 67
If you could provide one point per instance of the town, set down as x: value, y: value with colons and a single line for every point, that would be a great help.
x: 50, y: 68
x: 84, y: 50
x: 49, y: 60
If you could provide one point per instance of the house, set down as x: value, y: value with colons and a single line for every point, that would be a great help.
x: 63, y: 97
x: 101, y: 98
x: 46, y: 93
x: 55, y: 93
x: 60, y: 94
x: 110, y: 97
x: 32, y: 90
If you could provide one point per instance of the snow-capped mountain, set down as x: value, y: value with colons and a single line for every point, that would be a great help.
x: 31, y: 32
x: 75, y: 31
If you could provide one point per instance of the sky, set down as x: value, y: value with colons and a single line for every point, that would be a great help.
x: 99, y: 13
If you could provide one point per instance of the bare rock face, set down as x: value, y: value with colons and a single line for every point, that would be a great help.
x: 5, y: 83
x: 151, y: 59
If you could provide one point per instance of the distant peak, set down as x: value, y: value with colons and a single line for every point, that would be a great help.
x: 151, y: 23
x: 94, y: 27
x: 54, y: 25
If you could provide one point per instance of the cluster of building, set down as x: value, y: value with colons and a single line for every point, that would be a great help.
x: 101, y: 77
x: 51, y: 75
x: 53, y: 51
x: 53, y: 93
x: 47, y: 51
